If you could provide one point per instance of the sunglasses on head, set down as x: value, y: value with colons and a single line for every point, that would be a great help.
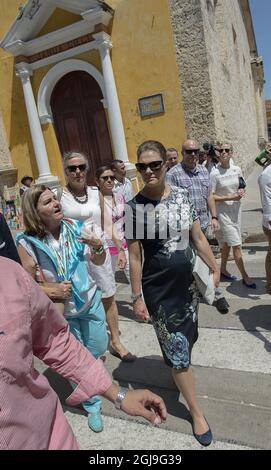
x: 106, y: 178
x: 191, y: 151
x: 73, y: 168
x: 152, y: 165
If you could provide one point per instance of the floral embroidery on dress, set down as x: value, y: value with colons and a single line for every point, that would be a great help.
x: 175, y: 215
x: 175, y: 345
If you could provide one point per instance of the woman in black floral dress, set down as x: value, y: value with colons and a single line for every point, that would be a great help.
x: 163, y: 220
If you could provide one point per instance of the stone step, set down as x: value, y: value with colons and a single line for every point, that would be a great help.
x: 222, y: 348
x: 233, y: 401
x: 237, y: 405
x: 121, y: 434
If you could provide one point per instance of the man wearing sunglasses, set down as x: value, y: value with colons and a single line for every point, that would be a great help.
x: 195, y: 178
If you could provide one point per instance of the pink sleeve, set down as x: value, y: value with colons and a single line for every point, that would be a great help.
x: 60, y: 350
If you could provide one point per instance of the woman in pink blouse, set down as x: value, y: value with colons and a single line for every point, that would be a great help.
x: 31, y: 416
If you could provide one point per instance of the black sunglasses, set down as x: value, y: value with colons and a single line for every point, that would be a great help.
x: 191, y: 151
x: 73, y: 168
x: 223, y: 150
x: 106, y: 178
x: 154, y: 166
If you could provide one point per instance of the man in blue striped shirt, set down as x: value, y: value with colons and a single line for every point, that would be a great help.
x: 195, y: 178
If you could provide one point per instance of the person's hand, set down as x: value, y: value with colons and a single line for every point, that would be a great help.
x: 63, y: 290
x: 92, y: 242
x: 140, y: 310
x: 121, y: 260
x: 145, y: 403
x: 216, y: 277
x: 241, y: 192
x: 215, y: 225
x: 236, y: 196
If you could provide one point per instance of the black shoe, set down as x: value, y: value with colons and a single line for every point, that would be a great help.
x: 221, y: 305
x: 204, y: 439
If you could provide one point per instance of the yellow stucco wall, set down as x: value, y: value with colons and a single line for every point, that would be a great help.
x: 144, y: 63
x: 12, y: 101
x: 59, y: 19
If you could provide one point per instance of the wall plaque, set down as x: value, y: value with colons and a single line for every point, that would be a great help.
x: 151, y: 105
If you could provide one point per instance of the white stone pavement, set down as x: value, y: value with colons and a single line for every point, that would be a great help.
x: 119, y: 434
x: 224, y: 344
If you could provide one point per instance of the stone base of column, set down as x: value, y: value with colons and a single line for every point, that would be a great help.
x: 8, y: 178
x: 49, y: 180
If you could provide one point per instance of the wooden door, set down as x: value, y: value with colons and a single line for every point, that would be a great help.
x: 80, y: 120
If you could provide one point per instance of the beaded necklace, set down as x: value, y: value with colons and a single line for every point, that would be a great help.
x: 77, y: 198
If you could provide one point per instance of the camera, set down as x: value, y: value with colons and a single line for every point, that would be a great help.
x: 209, y: 148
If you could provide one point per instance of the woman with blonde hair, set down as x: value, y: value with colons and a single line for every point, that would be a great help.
x: 228, y: 187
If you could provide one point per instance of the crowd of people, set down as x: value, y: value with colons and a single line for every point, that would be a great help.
x: 60, y: 304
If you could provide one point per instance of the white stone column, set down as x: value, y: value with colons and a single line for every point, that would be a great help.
x: 45, y: 176
x: 104, y: 45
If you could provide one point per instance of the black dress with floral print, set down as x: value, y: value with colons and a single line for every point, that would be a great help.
x: 169, y: 290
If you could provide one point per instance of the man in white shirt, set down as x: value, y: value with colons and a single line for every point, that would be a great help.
x: 122, y: 184
x: 264, y: 181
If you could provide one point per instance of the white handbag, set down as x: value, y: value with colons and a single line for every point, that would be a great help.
x: 204, y: 280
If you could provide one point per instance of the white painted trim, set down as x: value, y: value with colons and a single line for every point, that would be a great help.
x: 64, y: 55
x: 54, y: 75
x: 27, y: 25
x: 76, y: 6
x: 68, y: 33
x: 114, y: 113
x: 23, y: 28
x: 34, y: 124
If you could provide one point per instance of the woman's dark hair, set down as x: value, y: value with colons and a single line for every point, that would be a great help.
x: 101, y: 170
x: 152, y: 145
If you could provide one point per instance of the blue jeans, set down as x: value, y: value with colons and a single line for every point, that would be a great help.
x: 90, y: 329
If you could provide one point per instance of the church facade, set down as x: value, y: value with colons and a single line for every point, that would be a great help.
x: 102, y: 77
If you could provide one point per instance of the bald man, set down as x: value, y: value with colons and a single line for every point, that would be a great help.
x: 195, y: 178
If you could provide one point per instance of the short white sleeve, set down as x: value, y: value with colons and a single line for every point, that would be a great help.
x: 213, y: 181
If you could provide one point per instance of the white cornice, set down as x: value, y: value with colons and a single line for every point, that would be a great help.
x: 34, y: 15
x: 23, y: 27
x: 70, y: 53
x: 60, y: 36
x: 76, y: 6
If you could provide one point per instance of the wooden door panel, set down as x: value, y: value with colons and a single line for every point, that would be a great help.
x: 102, y: 137
x: 80, y: 120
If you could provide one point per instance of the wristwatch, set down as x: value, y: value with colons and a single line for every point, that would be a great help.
x: 120, y: 397
x: 214, y: 217
x: 135, y: 297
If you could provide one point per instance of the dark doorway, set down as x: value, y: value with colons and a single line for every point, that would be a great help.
x: 80, y: 120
